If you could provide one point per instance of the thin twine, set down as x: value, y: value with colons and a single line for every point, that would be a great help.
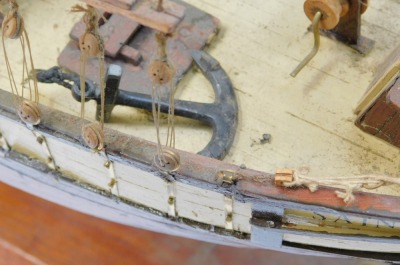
x: 33, y: 71
x: 162, y: 43
x: 13, y: 4
x: 24, y: 41
x: 91, y: 19
x: 155, y: 103
x: 349, y: 185
x: 171, y: 117
x: 11, y: 79
x: 161, y: 39
x: 162, y: 55
x: 362, y: 3
x: 102, y: 89
x: 82, y: 71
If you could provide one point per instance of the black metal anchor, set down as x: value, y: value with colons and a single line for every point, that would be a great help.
x: 222, y: 114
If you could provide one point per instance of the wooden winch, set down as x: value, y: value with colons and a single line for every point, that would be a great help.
x: 341, y: 20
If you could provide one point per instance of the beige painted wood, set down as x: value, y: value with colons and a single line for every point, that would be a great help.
x: 310, y: 118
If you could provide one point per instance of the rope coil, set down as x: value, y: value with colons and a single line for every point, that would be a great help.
x: 346, y: 185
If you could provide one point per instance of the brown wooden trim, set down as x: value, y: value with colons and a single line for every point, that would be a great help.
x: 373, y: 204
x: 33, y: 230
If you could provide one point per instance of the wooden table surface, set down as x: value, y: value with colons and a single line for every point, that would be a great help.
x: 35, y: 231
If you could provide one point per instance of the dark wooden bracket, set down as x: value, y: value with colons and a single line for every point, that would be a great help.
x: 379, y: 109
x: 348, y: 30
x: 383, y: 117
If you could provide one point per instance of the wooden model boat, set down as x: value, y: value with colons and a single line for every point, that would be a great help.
x: 304, y: 124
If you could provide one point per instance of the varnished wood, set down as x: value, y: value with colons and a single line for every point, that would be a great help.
x: 125, y: 4
x: 34, y: 231
x: 331, y: 11
x: 283, y: 175
x: 144, y: 15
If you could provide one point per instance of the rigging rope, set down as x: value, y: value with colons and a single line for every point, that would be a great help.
x: 91, y: 45
x: 161, y: 73
x: 13, y: 28
x: 346, y: 185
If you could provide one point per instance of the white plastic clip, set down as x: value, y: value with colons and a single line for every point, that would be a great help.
x: 226, y: 176
x: 171, y: 188
x: 228, y: 201
x: 42, y: 141
x: 113, y: 184
x: 5, y: 147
